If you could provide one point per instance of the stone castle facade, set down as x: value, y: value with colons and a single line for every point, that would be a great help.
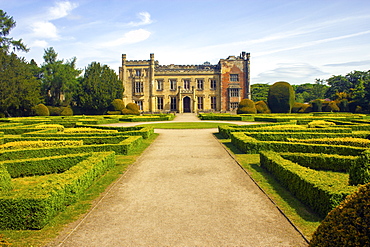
x: 186, y: 88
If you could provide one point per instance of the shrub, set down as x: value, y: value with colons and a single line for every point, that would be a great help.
x: 297, y: 107
x: 131, y: 109
x: 66, y: 111
x: 281, y: 97
x: 246, y: 106
x: 331, y: 107
x: 5, y: 179
x: 262, y: 107
x: 41, y: 110
x: 359, y: 173
x: 316, y: 105
x: 54, y: 110
x: 347, y: 224
x: 118, y: 105
x: 320, y: 124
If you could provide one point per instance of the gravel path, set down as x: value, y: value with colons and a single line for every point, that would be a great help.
x: 184, y: 190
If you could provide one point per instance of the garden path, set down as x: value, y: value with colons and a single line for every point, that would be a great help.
x: 184, y: 190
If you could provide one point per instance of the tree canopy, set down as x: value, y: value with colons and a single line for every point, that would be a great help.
x: 7, y: 23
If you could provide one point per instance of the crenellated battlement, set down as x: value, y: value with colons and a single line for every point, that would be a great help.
x: 172, y: 67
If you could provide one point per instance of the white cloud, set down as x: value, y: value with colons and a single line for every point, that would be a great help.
x: 40, y: 43
x: 61, y: 9
x: 130, y: 37
x: 145, y: 20
x: 45, y: 29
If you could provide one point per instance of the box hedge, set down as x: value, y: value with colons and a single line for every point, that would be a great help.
x: 34, y: 201
x: 322, y: 191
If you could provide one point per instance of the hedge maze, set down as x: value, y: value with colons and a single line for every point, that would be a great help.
x: 319, y: 161
x: 46, y: 163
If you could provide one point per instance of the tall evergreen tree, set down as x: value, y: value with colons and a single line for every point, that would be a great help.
x: 7, y: 23
x: 98, y: 87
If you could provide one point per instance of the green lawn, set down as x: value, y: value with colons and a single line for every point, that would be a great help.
x: 186, y: 125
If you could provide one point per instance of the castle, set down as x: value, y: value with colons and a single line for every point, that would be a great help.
x: 186, y: 88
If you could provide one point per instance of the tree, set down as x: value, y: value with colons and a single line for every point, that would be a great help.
x: 19, y: 89
x: 318, y: 89
x: 6, y: 24
x: 59, y: 79
x: 98, y: 88
x: 259, y: 91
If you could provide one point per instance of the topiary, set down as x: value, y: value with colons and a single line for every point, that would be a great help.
x: 131, y: 109
x: 320, y: 124
x: 246, y: 106
x: 41, y: 110
x: 118, y: 105
x: 347, y: 224
x: 262, y: 107
x: 66, y: 111
x: 54, y: 110
x: 297, y: 107
x: 5, y: 179
x: 359, y: 173
x: 281, y: 97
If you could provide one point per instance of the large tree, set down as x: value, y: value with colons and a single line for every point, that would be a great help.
x: 59, y: 79
x: 7, y: 23
x: 19, y: 88
x: 98, y: 87
x: 260, y: 91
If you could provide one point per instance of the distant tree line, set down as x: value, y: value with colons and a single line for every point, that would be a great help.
x: 350, y: 93
x: 56, y: 83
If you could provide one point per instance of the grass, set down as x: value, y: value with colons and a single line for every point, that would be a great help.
x: 186, y: 125
x: 73, y: 212
x: 305, y: 219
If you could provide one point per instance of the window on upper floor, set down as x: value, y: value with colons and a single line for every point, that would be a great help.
x: 200, y: 84
x: 213, y: 84
x: 234, y: 92
x: 173, y: 84
x: 138, y: 87
x: 159, y: 85
x: 138, y: 72
x: 234, y: 77
x: 187, y: 84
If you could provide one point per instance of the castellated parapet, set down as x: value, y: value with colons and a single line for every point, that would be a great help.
x: 186, y: 88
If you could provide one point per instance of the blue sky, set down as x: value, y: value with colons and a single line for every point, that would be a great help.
x: 294, y: 41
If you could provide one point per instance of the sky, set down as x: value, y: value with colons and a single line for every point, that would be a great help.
x: 296, y: 41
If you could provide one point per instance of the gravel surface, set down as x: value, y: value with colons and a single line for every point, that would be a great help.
x: 184, y: 190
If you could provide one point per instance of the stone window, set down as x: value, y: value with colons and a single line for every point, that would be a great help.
x: 213, y: 84
x: 234, y: 105
x: 234, y: 77
x: 200, y: 103
x: 138, y: 72
x: 140, y: 104
x: 173, y: 84
x: 160, y: 103
x: 173, y: 103
x: 200, y: 84
x: 159, y: 85
x: 213, y: 102
x: 234, y: 92
x: 187, y: 84
x: 138, y: 87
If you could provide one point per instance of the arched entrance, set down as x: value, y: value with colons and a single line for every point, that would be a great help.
x: 186, y: 102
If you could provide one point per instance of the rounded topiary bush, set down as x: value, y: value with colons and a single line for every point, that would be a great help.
x: 66, y: 111
x: 118, y: 105
x: 41, y: 110
x: 359, y: 173
x: 246, y: 106
x: 54, y: 110
x: 262, y: 107
x: 347, y: 224
x: 131, y: 109
x: 281, y: 97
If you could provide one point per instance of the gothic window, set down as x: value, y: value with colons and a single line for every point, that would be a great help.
x: 200, y: 84
x: 213, y: 84
x: 200, y: 103
x: 187, y: 84
x: 173, y: 104
x: 159, y: 85
x: 138, y: 87
x: 234, y: 92
x: 160, y: 103
x: 234, y: 77
x: 213, y: 103
x: 173, y: 84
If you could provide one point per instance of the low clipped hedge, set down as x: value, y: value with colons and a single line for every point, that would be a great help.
x: 42, y: 166
x: 124, y: 147
x: 348, y: 141
x: 319, y: 161
x: 145, y: 132
x: 250, y: 145
x: 301, y: 136
x: 322, y: 191
x: 34, y: 201
x: 347, y: 224
x: 5, y: 179
x: 87, y: 140
x: 39, y: 144
x: 225, y: 117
